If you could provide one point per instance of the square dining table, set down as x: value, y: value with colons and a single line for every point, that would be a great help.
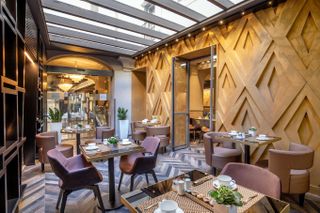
x: 109, y: 152
x: 146, y: 200
x: 254, y: 149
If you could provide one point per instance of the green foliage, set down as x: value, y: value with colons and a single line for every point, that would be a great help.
x: 253, y: 129
x: 122, y: 113
x: 55, y: 115
x: 112, y: 140
x: 224, y: 195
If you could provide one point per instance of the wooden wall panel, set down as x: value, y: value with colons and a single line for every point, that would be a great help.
x: 268, y: 74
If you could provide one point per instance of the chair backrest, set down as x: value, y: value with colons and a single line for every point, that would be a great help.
x: 103, y: 132
x: 255, y: 178
x: 151, y: 144
x: 46, y: 141
x: 298, y: 157
x: 136, y: 125
x: 58, y: 161
x: 158, y: 130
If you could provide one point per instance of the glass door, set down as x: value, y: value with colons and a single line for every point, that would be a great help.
x: 180, y: 103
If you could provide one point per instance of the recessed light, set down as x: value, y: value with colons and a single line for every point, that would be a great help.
x: 157, y: 48
x: 142, y: 55
x: 221, y: 22
x: 203, y: 28
x: 166, y: 45
x: 270, y: 2
x: 177, y: 39
x: 136, y: 58
x: 243, y: 13
x: 189, y: 34
x: 149, y: 52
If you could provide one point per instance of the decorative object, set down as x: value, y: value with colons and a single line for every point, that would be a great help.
x: 123, y: 122
x: 76, y: 78
x: 225, y: 196
x: 65, y: 84
x: 55, y: 116
x: 113, y: 141
x: 252, y: 131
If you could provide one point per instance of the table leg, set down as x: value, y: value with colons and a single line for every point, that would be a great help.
x: 247, y: 154
x: 113, y: 201
x: 78, y: 143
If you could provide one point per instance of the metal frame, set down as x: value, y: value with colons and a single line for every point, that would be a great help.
x: 179, y: 9
x: 224, y: 4
x: 71, y: 70
x: 136, y: 13
x: 212, y: 84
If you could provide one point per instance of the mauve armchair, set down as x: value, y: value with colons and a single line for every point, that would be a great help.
x: 162, y: 132
x: 75, y: 173
x: 138, y: 131
x: 103, y: 132
x: 255, y: 178
x: 141, y: 163
x: 219, y: 152
x: 49, y: 140
x: 292, y: 167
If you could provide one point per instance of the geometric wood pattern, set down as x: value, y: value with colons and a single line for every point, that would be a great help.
x: 268, y: 74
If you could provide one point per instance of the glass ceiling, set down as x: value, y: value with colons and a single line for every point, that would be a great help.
x: 124, y: 26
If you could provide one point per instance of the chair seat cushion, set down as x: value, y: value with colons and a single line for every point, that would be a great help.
x: 226, y: 152
x: 299, y: 181
x: 140, y: 131
x: 65, y: 149
x: 127, y: 162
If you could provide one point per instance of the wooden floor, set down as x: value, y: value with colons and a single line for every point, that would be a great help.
x: 42, y: 188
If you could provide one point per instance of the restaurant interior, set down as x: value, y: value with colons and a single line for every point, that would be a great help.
x: 159, y: 106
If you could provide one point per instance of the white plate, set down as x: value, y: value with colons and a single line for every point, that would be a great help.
x: 216, y: 184
x: 90, y: 148
x: 233, y: 134
x: 263, y: 139
x: 124, y: 143
x: 239, y: 137
x: 158, y: 210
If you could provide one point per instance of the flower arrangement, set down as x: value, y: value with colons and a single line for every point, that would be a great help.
x: 226, y: 196
x: 112, y: 140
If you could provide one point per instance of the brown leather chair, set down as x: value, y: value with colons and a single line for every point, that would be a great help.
x: 103, y: 132
x: 141, y: 163
x: 219, y: 152
x: 162, y: 132
x: 292, y: 167
x: 49, y: 140
x: 75, y: 173
x: 255, y: 178
x: 138, y: 131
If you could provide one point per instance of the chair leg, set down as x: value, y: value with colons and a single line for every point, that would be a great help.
x: 59, y: 199
x: 120, y: 181
x: 147, y: 179
x: 64, y: 200
x: 214, y: 171
x: 97, y: 194
x: 301, y: 199
x: 154, y: 176
x: 42, y: 167
x: 132, y: 182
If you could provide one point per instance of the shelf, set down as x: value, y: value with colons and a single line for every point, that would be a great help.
x: 10, y: 43
x: 11, y: 119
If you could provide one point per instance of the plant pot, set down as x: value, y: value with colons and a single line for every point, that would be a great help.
x: 56, y: 126
x: 252, y: 133
x: 124, y: 129
x: 225, y: 208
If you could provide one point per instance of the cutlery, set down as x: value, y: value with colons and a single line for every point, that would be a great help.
x: 149, y: 207
x: 249, y: 198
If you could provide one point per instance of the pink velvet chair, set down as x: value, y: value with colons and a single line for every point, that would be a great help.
x: 141, y: 163
x: 292, y: 167
x: 255, y: 178
x: 104, y: 132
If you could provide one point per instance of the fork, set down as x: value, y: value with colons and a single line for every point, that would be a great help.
x: 249, y: 198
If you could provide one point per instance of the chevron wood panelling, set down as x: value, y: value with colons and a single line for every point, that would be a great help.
x: 268, y: 74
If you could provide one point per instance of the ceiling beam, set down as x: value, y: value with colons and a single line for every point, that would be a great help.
x: 94, y: 16
x: 224, y: 4
x: 94, y: 29
x: 72, y: 70
x: 136, y: 13
x: 179, y: 9
x: 94, y: 38
x: 89, y: 44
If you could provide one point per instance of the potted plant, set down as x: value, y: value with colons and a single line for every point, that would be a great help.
x: 252, y: 131
x: 123, y: 123
x: 113, y: 141
x: 227, y: 198
x: 55, y: 116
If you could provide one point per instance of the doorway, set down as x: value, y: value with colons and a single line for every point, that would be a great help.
x: 193, y: 95
x: 139, y: 94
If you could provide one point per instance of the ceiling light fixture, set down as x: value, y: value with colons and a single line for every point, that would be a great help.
x: 65, y: 85
x: 243, y: 13
x: 177, y: 39
x: 221, y: 22
x: 270, y: 3
x: 189, y: 35
x: 76, y: 78
x: 203, y: 28
x: 166, y: 44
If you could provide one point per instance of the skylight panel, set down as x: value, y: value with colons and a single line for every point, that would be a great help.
x: 201, y: 6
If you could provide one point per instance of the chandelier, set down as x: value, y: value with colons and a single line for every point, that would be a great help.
x: 76, y: 78
x: 65, y: 85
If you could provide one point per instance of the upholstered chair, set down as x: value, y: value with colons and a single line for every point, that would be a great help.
x: 292, y: 167
x: 219, y: 152
x: 49, y: 140
x: 138, y: 131
x: 103, y: 132
x: 255, y: 178
x: 162, y: 132
x: 141, y: 163
x: 75, y: 173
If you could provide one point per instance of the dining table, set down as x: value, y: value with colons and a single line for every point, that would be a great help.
x: 107, y: 152
x: 146, y: 200
x: 254, y: 149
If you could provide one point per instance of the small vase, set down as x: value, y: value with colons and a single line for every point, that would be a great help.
x: 252, y: 133
x: 232, y: 209
x: 225, y: 208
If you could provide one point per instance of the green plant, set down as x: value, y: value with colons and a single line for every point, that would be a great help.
x: 122, y: 113
x: 112, y: 140
x: 224, y: 195
x: 55, y: 115
x: 253, y: 129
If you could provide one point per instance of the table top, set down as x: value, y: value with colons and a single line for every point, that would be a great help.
x: 136, y: 200
x: 104, y: 152
x: 252, y: 141
x: 76, y: 130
